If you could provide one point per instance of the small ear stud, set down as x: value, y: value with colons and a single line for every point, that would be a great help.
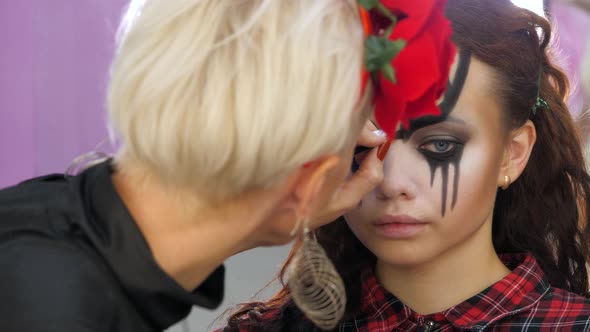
x: 506, y: 182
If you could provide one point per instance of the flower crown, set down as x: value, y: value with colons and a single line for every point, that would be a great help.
x: 408, y: 57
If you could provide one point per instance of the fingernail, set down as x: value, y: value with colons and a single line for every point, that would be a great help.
x: 380, y: 133
x: 383, y: 149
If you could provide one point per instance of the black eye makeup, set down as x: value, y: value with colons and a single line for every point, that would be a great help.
x: 442, y: 146
x: 439, y: 148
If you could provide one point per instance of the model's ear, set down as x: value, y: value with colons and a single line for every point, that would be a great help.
x: 517, y: 153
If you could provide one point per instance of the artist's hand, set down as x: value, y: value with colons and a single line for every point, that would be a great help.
x: 358, y: 184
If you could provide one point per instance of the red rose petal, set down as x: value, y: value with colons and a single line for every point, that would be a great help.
x: 417, y: 11
x: 424, y: 106
x: 388, y: 113
x: 417, y: 68
x: 422, y: 67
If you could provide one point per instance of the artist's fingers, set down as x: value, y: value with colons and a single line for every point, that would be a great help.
x: 371, y: 136
x: 352, y: 191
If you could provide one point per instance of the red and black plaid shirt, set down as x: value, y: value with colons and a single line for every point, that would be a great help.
x: 522, y: 301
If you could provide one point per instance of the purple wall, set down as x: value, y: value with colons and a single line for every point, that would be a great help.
x: 573, y: 28
x: 53, y: 73
x: 16, y: 95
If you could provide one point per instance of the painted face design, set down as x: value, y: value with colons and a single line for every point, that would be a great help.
x: 440, y: 152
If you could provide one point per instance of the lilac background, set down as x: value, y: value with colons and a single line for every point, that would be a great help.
x: 53, y: 72
x: 573, y: 28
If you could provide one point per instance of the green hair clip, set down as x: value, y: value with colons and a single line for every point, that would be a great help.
x: 540, y: 103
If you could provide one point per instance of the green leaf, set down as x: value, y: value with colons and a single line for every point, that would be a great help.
x: 380, y: 51
x: 369, y: 4
x: 388, y: 32
x: 389, y: 73
x: 383, y: 10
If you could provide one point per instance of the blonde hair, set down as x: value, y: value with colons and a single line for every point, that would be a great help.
x: 223, y: 96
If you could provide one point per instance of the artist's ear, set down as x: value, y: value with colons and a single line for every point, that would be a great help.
x: 309, y: 182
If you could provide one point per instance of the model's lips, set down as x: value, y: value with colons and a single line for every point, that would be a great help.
x: 399, y: 226
x: 398, y: 219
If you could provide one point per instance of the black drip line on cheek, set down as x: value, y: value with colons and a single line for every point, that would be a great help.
x: 444, y: 164
x: 456, y: 165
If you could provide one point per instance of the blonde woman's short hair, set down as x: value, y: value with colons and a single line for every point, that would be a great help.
x: 223, y: 96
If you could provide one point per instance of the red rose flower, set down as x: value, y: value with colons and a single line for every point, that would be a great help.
x: 421, y: 68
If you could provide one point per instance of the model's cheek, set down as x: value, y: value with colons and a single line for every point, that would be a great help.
x: 478, y: 182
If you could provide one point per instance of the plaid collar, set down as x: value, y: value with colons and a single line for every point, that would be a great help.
x: 518, y: 291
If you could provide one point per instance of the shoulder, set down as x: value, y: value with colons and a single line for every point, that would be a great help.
x: 557, y: 309
x: 569, y: 304
x: 43, y: 197
x: 48, y: 285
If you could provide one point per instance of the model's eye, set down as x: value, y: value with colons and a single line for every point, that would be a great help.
x: 439, y: 146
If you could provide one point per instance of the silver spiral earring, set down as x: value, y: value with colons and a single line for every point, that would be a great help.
x: 315, y: 285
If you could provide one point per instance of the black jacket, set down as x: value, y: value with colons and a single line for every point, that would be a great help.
x: 73, y: 259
